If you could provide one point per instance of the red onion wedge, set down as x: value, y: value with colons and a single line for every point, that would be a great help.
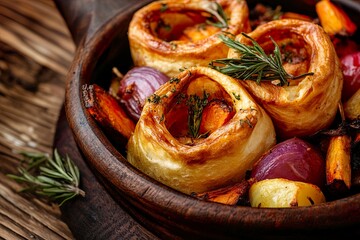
x: 136, y: 86
x: 293, y: 159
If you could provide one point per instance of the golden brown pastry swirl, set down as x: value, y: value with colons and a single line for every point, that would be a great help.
x: 306, y: 105
x: 197, y: 165
x: 170, y: 35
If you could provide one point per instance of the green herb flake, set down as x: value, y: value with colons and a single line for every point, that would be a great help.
x: 174, y: 80
x: 173, y: 89
x: 196, y: 106
x: 247, y: 121
x: 154, y: 98
x: 182, y: 69
x: 162, y: 118
x: 168, y: 28
x: 236, y: 96
x: 173, y: 46
x: 253, y: 109
x: 180, y: 97
x: 163, y: 7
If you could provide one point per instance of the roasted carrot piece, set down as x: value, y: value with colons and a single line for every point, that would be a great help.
x: 198, y: 32
x: 106, y: 111
x: 229, y: 195
x: 352, y: 106
x: 215, y: 114
x: 355, y: 174
x: 352, y: 113
x: 333, y: 19
x: 338, y: 168
x: 338, y: 162
x: 292, y: 15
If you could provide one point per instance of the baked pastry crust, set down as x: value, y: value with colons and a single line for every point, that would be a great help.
x: 306, y: 105
x: 207, y: 163
x: 148, y: 48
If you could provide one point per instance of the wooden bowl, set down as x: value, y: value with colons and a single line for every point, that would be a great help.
x: 166, y: 212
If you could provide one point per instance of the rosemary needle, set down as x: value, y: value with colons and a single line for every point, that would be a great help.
x: 253, y: 63
x: 196, y: 106
x: 57, y: 178
x: 218, y: 12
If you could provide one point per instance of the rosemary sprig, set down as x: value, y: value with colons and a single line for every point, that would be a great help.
x: 218, y: 12
x: 254, y: 63
x: 196, y: 106
x: 57, y: 178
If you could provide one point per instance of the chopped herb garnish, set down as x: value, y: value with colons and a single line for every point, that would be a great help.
x: 218, y: 12
x: 180, y: 97
x: 154, y: 98
x: 196, y: 106
x: 164, y: 7
x: 254, y: 63
x: 162, y: 118
x: 174, y: 80
x: 173, y: 45
x: 247, y: 121
x: 162, y: 25
x: 236, y: 96
x: 167, y: 27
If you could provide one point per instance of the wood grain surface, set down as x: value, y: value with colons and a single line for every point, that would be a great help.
x: 35, y: 53
x: 97, y: 215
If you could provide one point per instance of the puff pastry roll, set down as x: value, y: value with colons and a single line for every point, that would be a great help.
x: 161, y: 145
x: 172, y: 35
x: 310, y: 103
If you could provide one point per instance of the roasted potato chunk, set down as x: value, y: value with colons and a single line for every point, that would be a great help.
x: 283, y: 193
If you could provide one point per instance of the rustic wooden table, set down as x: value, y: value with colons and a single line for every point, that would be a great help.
x: 35, y: 52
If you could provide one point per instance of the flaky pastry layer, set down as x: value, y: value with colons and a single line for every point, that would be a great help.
x: 169, y: 55
x: 221, y: 158
x: 306, y: 105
